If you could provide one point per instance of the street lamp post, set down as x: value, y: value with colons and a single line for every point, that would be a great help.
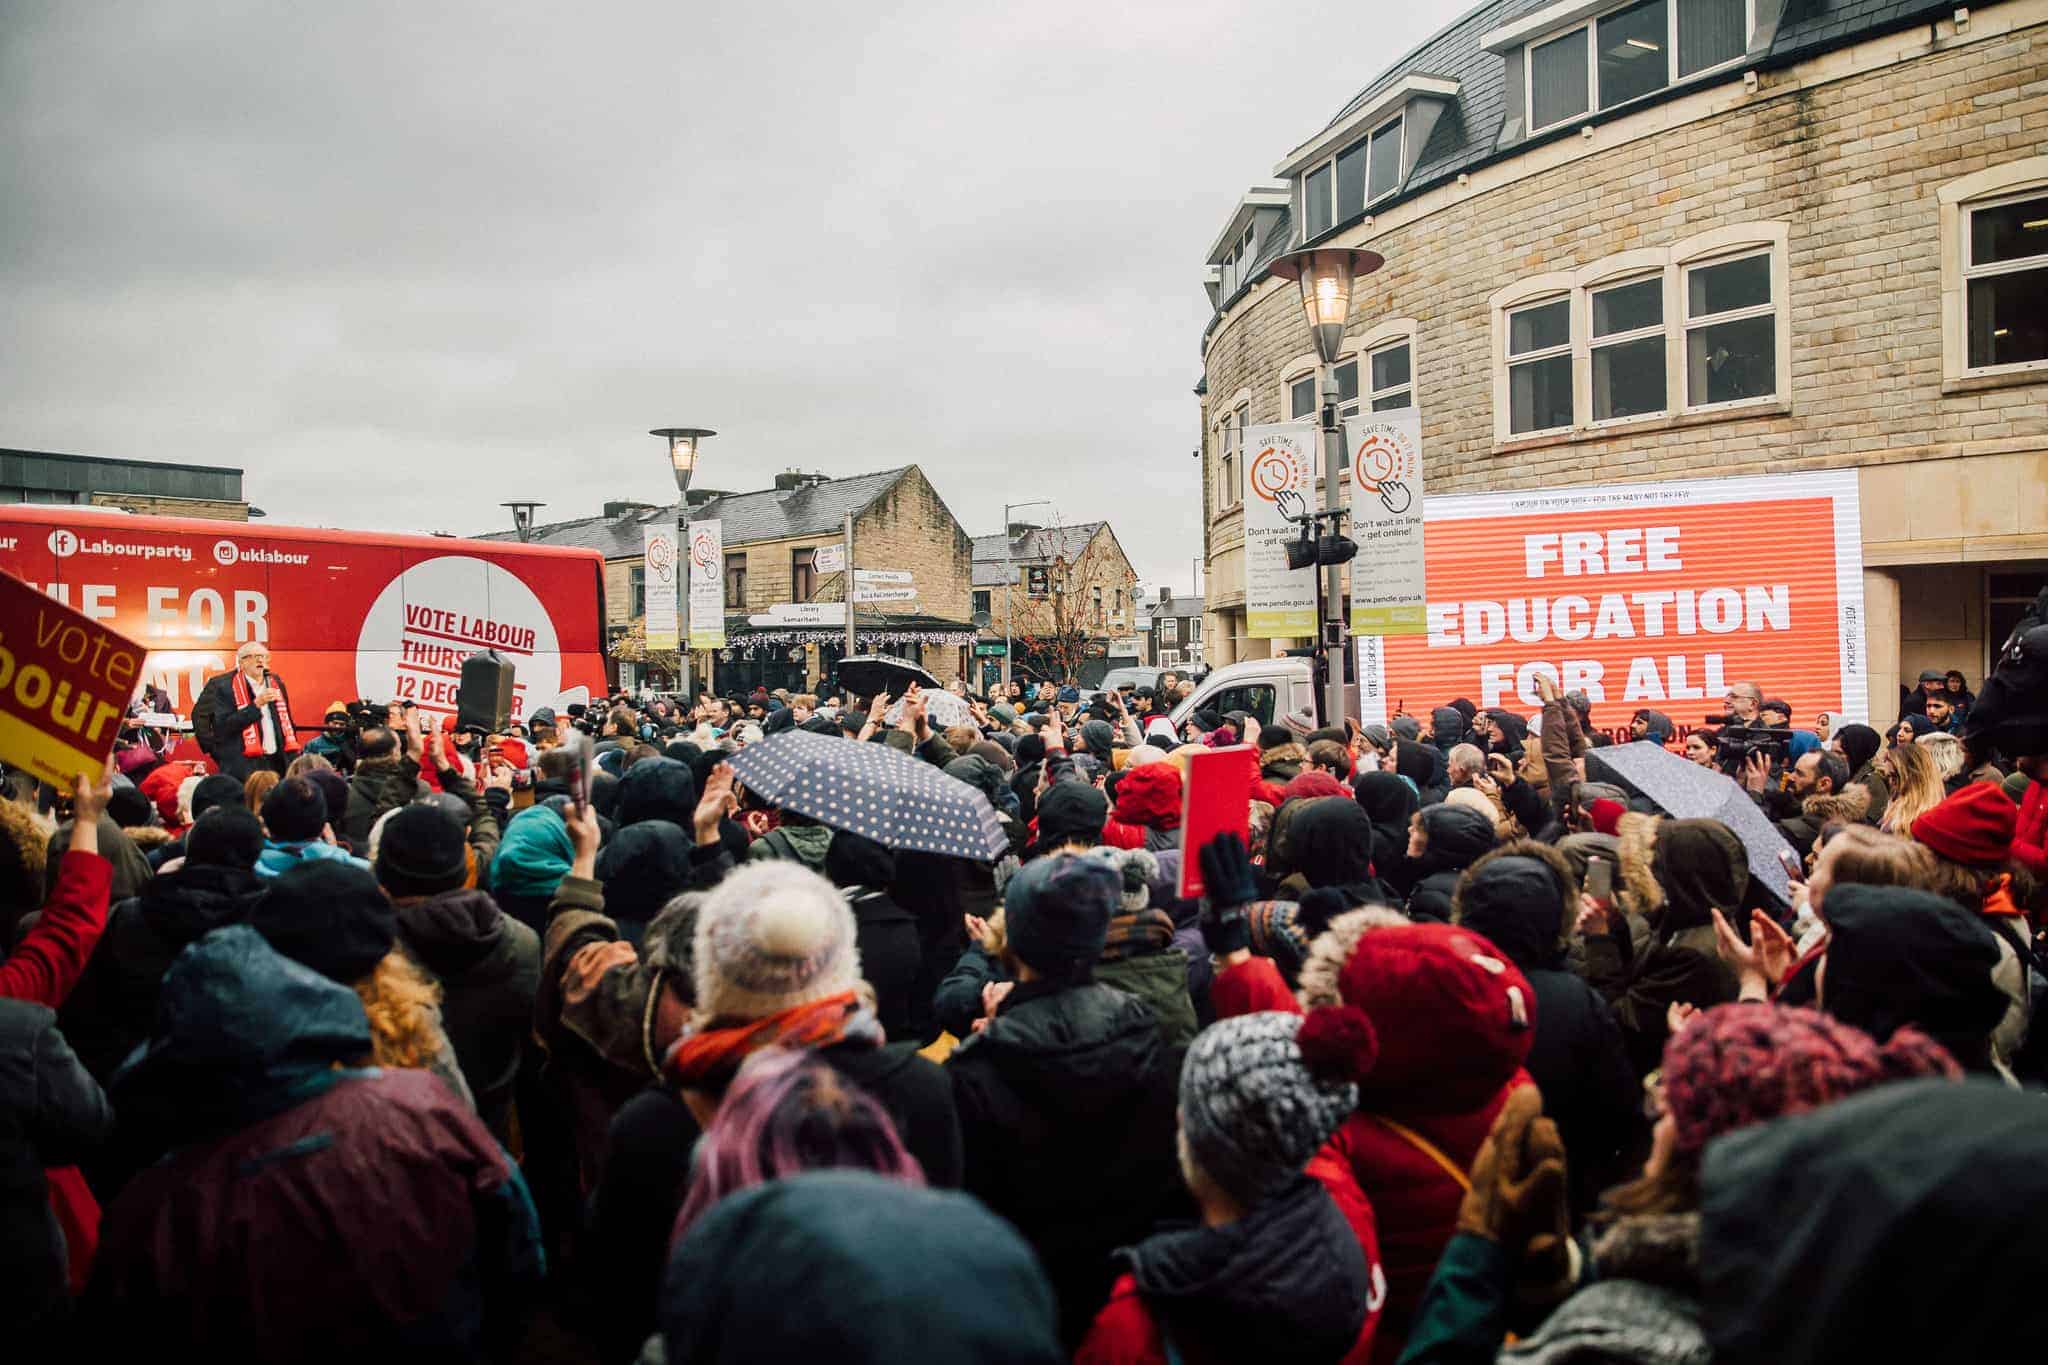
x: 1326, y: 276
x: 522, y: 517
x: 1010, y: 575
x: 682, y: 458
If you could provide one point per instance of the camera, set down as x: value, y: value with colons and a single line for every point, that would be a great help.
x: 1738, y: 742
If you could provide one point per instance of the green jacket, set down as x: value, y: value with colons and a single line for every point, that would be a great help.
x: 1160, y: 980
x: 804, y: 844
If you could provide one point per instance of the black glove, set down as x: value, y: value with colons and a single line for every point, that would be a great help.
x: 1227, y: 872
x: 1227, y: 875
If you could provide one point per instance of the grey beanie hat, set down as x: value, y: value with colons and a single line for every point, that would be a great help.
x: 1260, y: 1093
x: 1406, y: 727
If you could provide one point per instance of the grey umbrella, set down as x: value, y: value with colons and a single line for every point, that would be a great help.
x: 873, y: 790
x: 1688, y: 791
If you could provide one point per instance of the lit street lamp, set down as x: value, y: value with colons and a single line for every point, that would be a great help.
x: 682, y: 451
x: 1326, y: 276
x: 682, y: 458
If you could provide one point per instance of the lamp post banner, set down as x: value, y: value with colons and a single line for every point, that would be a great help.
x: 707, y: 585
x: 1279, y: 478
x: 658, y: 578
x: 1387, y: 591
x: 1656, y: 595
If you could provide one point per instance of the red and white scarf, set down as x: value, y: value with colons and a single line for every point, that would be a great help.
x: 252, y: 735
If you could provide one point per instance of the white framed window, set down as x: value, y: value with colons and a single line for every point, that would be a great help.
x: 2005, y: 282
x: 1731, y: 331
x: 1339, y: 189
x: 1994, y: 275
x: 1236, y: 267
x: 1699, y: 326
x: 1230, y: 437
x: 1627, y: 348
x: 1539, y: 365
x: 1194, y: 630
x: 1169, y: 630
x: 1631, y: 51
x: 1301, y: 398
x: 1390, y: 376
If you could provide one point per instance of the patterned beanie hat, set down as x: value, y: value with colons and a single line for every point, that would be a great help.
x: 1746, y: 1063
x: 1259, y: 1093
x: 773, y: 935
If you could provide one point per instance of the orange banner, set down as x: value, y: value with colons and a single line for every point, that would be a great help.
x: 1638, y: 604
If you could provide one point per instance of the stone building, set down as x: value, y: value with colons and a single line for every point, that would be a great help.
x: 1173, y: 629
x: 1685, y: 238
x: 1062, y: 597
x: 212, y: 492
x: 771, y: 536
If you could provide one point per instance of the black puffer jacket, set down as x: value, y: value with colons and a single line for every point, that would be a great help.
x: 1517, y: 896
x: 113, y: 1007
x: 489, y: 967
x: 379, y: 784
x: 51, y: 1114
x: 1457, y: 837
x: 1388, y: 803
x: 1067, y: 1104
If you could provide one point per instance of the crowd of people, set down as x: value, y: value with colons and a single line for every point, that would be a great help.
x: 559, y: 1042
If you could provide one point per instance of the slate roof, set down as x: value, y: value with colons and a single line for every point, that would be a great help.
x: 1179, y: 606
x: 771, y: 514
x: 996, y: 556
x: 1467, y: 134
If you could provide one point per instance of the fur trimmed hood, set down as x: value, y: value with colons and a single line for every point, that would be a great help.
x: 1636, y: 837
x: 1333, y: 948
x: 1672, y: 871
x: 1849, y: 806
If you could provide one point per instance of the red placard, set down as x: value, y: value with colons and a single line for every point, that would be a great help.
x: 65, y: 680
x: 1215, y: 799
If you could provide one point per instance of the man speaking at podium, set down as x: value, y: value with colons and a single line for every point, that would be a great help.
x: 243, y: 719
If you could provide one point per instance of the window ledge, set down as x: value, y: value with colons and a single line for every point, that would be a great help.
x: 2036, y: 373
x: 1642, y: 426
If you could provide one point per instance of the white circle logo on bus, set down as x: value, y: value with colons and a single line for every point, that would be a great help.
x: 226, y: 552
x: 63, y: 544
x: 438, y: 613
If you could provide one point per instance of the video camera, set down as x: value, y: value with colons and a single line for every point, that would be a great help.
x: 1738, y: 741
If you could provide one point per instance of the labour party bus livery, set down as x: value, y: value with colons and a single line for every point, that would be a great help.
x: 346, y: 613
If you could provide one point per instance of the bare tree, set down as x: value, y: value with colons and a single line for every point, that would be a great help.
x: 1068, y: 603
x: 631, y: 647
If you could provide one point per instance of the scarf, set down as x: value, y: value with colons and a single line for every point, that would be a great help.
x: 252, y: 734
x: 1135, y: 935
x: 707, y: 1059
x: 1998, y: 899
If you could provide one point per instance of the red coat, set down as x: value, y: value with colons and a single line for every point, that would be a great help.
x: 52, y: 956
x: 2030, y: 837
x: 1126, y: 1333
x: 1414, y: 1197
x: 1249, y: 987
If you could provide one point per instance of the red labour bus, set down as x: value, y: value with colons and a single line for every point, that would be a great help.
x: 346, y: 614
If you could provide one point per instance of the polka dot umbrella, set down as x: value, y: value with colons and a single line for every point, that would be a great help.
x: 873, y: 790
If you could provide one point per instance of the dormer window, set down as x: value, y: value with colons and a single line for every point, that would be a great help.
x: 1583, y: 57
x: 1237, y: 265
x: 1367, y: 170
x: 1234, y: 256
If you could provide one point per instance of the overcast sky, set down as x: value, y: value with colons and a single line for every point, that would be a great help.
x: 401, y: 262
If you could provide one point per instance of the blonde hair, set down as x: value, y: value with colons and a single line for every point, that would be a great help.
x: 1916, y: 791
x: 307, y: 763
x: 403, y: 1005
x: 256, y: 787
x: 1945, y: 749
x: 1864, y: 857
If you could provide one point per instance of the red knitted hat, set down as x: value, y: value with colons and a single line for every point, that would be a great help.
x: 1149, y: 795
x: 1606, y: 814
x: 1747, y: 1063
x: 1310, y: 785
x: 1973, y: 826
x: 1453, y: 1016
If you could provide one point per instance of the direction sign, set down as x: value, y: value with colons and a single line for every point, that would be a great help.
x: 883, y: 578
x: 801, y: 614
x: 829, y: 558
x: 863, y: 593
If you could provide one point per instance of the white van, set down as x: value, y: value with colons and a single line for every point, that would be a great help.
x: 1265, y: 688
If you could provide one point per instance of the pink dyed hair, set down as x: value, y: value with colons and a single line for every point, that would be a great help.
x: 784, y: 1113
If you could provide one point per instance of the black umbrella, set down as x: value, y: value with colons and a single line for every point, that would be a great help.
x: 873, y: 790
x: 1688, y: 791
x: 867, y: 674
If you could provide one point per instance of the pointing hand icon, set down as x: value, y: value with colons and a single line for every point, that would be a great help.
x: 1290, y: 503
x: 1394, y: 496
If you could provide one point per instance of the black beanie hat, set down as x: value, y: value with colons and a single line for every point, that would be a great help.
x: 422, y: 852
x: 1030, y: 749
x: 294, y: 811
x: 217, y: 789
x: 129, y: 808
x: 1056, y: 912
x: 329, y: 915
x: 1070, y: 809
x: 226, y: 836
x: 855, y: 860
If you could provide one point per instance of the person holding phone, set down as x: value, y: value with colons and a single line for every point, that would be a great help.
x: 243, y: 719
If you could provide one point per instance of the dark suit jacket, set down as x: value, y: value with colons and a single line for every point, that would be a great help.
x: 217, y: 724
